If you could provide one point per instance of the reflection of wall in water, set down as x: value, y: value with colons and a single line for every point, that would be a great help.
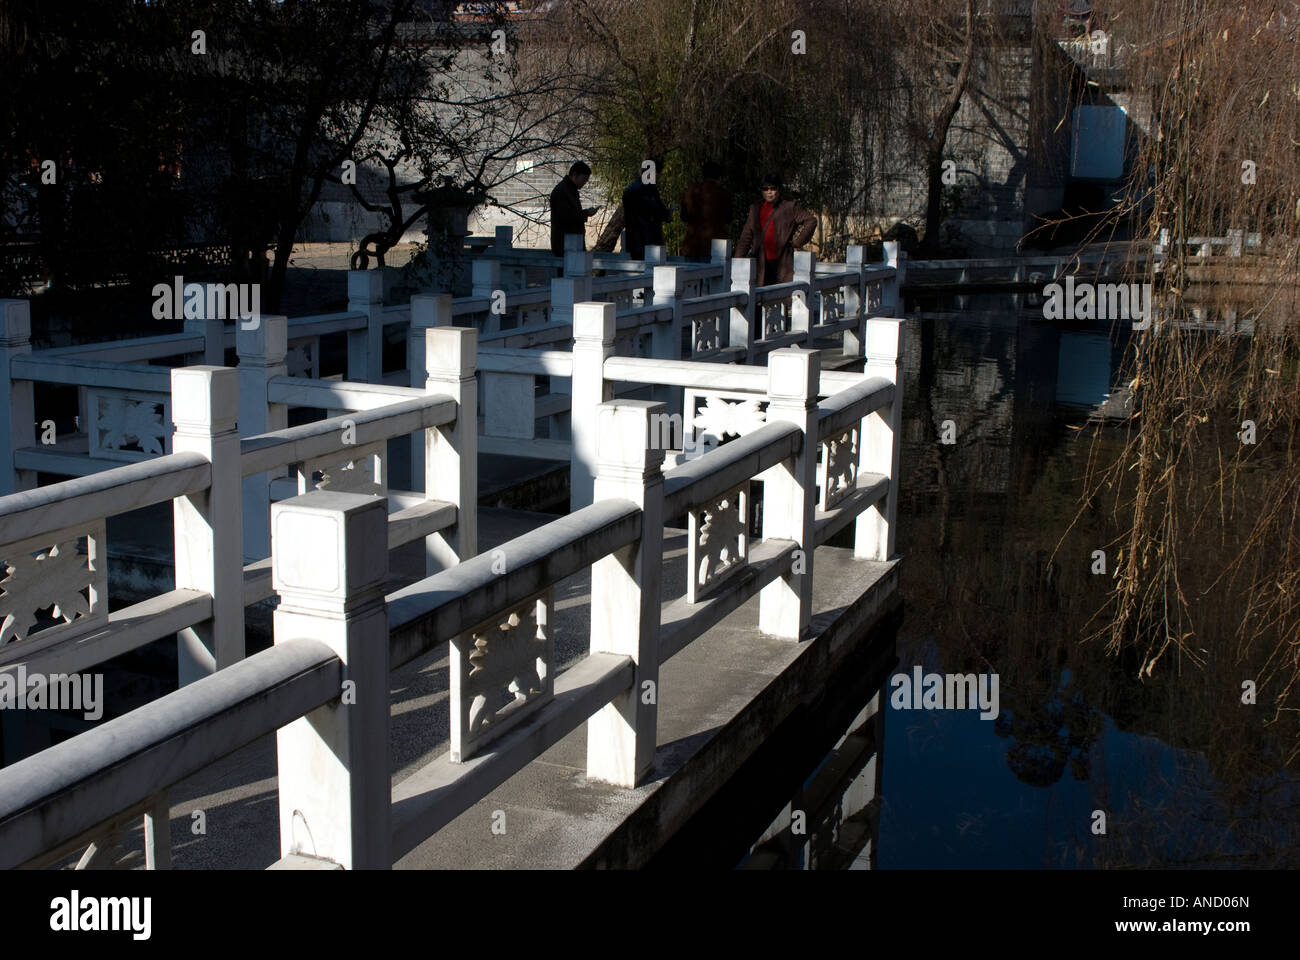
x: 995, y: 377
x: 964, y: 375
x: 1037, y: 372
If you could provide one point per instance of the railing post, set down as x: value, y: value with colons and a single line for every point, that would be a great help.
x: 625, y: 593
x: 451, y: 451
x: 366, y: 347
x: 593, y: 341
x: 207, y: 526
x: 855, y: 302
x: 880, y: 439
x: 427, y: 312
x: 485, y: 277
x: 744, y: 271
x: 789, y: 491
x: 891, y: 300
x: 804, y: 306
x: 261, y: 358
x: 329, y: 565
x: 574, y: 287
x: 654, y: 255
x: 666, y: 339
x: 719, y: 254
x: 18, y: 424
x: 503, y: 247
x: 212, y: 329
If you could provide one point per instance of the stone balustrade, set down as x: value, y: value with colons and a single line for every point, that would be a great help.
x: 826, y: 452
x: 53, y: 541
x: 704, y: 311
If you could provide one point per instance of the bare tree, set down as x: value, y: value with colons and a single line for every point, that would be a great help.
x: 469, y: 113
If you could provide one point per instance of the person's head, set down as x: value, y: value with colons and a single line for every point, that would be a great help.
x: 580, y: 173
x: 712, y: 171
x: 770, y: 187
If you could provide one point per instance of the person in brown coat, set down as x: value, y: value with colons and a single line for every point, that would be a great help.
x: 773, y: 230
x: 706, y: 211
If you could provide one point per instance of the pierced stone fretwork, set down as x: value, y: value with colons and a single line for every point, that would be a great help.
x: 300, y: 359
x: 126, y: 426
x: 714, y: 417
x: 833, y: 305
x: 358, y: 470
x: 62, y: 579
x: 875, y: 296
x: 708, y: 333
x: 501, y: 671
x: 776, y: 318
x: 718, y: 541
x: 352, y: 476
x: 839, y: 467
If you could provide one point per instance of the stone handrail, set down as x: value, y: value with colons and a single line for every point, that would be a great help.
x: 57, y: 800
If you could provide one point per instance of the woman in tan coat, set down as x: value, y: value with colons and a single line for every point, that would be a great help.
x: 774, y: 229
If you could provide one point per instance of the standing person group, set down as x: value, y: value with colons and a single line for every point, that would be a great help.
x: 774, y: 228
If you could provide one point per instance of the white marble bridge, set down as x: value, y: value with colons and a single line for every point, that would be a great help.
x: 687, y: 607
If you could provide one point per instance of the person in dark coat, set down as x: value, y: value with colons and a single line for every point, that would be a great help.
x: 644, y: 214
x: 567, y: 213
x: 706, y: 211
x: 774, y: 229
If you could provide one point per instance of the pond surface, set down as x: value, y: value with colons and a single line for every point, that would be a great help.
x: 1182, y: 773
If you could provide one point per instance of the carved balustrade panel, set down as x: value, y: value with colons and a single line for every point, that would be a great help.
x: 837, y: 474
x: 706, y: 331
x: 127, y: 425
x: 361, y: 469
x: 501, y: 671
x: 712, y: 417
x: 300, y: 360
x: 52, y: 585
x: 775, y: 318
x: 717, y: 541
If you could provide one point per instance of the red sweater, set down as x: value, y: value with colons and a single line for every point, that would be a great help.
x: 771, y: 250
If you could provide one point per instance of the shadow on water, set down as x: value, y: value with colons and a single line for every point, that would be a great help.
x: 998, y: 579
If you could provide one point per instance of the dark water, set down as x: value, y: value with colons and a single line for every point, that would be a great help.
x: 1184, y: 774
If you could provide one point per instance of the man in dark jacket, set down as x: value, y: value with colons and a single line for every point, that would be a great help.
x: 644, y: 213
x: 706, y: 211
x: 773, y: 230
x: 567, y: 212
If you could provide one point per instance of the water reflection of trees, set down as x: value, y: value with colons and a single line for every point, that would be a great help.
x: 1001, y: 581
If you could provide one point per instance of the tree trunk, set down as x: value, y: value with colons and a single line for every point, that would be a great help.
x: 609, y: 236
x: 933, y: 199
